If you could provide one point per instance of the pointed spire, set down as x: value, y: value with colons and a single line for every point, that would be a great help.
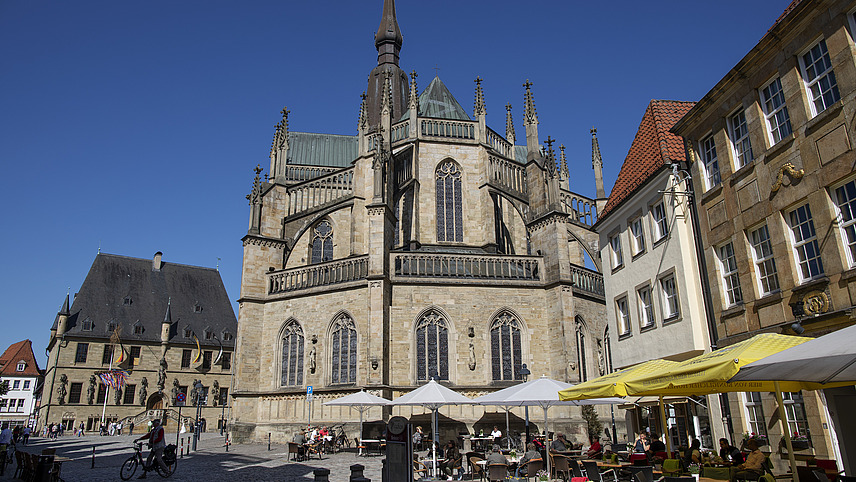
x: 386, y: 98
x: 388, y: 38
x: 65, y: 310
x: 167, y: 318
x: 563, y: 168
x: 597, y: 165
x: 530, y: 115
x: 509, y: 125
x: 479, y: 105
x: 413, y: 105
x: 550, y: 163
x: 255, y: 194
x: 363, y: 121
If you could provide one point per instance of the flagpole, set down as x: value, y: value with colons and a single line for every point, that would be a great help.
x: 107, y: 393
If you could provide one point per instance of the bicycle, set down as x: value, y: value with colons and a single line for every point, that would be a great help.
x: 129, y: 467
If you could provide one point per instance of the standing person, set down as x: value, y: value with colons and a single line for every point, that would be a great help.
x: 417, y: 438
x: 5, y: 437
x: 131, y: 428
x: 119, y: 428
x: 156, y: 444
x: 54, y: 431
x: 26, y: 435
x: 81, y: 430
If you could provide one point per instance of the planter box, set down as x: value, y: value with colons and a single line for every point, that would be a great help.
x: 800, y: 444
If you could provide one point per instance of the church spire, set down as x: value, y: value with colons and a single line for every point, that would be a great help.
x: 388, y: 38
x: 597, y: 164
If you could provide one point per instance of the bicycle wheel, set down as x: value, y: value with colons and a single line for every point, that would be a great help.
x: 128, y: 468
x: 164, y: 473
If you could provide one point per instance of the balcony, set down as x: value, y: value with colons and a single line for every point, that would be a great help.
x: 480, y: 268
x: 587, y: 281
x: 316, y: 275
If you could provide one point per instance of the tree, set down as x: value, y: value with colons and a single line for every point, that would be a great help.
x: 4, y: 387
x: 593, y: 425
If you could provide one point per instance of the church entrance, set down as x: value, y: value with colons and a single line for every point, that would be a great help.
x: 155, y: 402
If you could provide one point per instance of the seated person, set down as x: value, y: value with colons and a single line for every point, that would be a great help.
x: 531, y: 454
x: 754, y: 465
x: 453, y: 458
x: 299, y: 438
x: 657, y: 445
x: 727, y: 450
x: 693, y: 455
x: 640, y: 446
x: 496, y: 434
x: 495, y: 456
x: 595, y: 450
x: 560, y: 444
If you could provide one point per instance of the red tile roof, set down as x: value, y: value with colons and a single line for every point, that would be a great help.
x: 21, y: 351
x: 653, y: 145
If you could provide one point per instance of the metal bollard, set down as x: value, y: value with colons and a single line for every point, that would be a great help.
x: 181, y: 447
x: 93, y: 457
x: 322, y: 475
x: 268, y: 441
x: 356, y: 472
x: 227, y: 442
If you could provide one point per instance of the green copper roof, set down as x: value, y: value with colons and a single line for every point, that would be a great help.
x: 436, y: 101
x: 328, y: 150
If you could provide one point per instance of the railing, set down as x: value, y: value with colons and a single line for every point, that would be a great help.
x: 582, y: 209
x: 320, y: 191
x: 507, y: 174
x: 323, y: 274
x: 452, y: 266
x: 298, y: 174
x: 372, y: 141
x: 587, y: 280
x: 400, y: 131
x: 499, y: 144
x: 445, y: 128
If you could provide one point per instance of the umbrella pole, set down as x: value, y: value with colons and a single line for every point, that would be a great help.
x: 665, y: 427
x: 546, y: 441
x: 436, y: 438
x: 507, y: 429
x: 361, y: 409
x: 787, y: 432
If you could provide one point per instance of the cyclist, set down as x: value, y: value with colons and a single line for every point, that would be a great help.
x: 156, y: 444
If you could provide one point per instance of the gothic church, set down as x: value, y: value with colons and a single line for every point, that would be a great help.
x: 428, y: 245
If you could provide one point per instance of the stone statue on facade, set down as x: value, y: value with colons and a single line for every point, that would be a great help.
x: 601, y: 365
x: 162, y: 375
x: 216, y: 393
x: 61, y: 391
x: 90, y: 392
x: 194, y: 393
x: 144, y: 390
x: 472, y: 359
x: 175, y: 391
x: 117, y: 396
x: 312, y: 360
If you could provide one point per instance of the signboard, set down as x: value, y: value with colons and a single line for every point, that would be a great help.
x: 180, y: 398
x: 309, y: 393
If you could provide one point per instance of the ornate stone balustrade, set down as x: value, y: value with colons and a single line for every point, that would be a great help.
x: 319, y: 191
x: 297, y: 174
x: 507, y: 174
x: 587, y: 280
x: 582, y: 209
x: 464, y: 267
x: 499, y: 144
x: 400, y: 131
x: 447, y: 128
x: 323, y: 274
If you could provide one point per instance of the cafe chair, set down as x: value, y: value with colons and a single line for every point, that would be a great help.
x: 560, y: 466
x: 593, y: 472
x: 672, y: 468
x: 475, y: 468
x: 532, y: 467
x: 642, y: 474
x: 497, y: 472
x: 419, y: 470
x: 313, y: 449
x: 638, y: 459
x: 678, y: 479
x: 830, y: 467
x: 575, y: 468
x: 294, y: 452
x: 361, y: 448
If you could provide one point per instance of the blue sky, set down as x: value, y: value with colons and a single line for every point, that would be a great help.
x: 135, y: 126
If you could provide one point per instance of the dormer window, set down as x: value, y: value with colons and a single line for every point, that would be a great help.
x: 21, y: 366
x: 227, y: 336
x: 197, y: 308
x: 138, y: 328
x: 87, y: 325
x: 111, y: 327
x: 188, y: 333
x: 127, y: 301
x: 209, y: 335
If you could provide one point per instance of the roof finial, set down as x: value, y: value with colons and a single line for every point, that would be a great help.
x: 386, y: 97
x: 550, y: 163
x: 167, y: 318
x: 480, y: 106
x: 363, y: 121
x: 563, y: 168
x: 388, y: 38
x: 414, y: 95
x: 509, y: 125
x: 530, y: 115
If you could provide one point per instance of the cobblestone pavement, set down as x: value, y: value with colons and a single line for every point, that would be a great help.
x: 248, y: 462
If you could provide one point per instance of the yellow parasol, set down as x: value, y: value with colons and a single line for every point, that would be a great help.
x: 614, y: 384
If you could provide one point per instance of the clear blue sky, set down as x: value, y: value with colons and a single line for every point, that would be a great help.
x: 135, y: 126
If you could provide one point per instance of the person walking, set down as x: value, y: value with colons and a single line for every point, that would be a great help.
x: 131, y: 428
x: 80, y: 430
x: 25, y: 434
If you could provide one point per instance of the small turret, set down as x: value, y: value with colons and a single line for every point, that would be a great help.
x: 166, y: 325
x: 62, y: 318
x: 279, y: 147
x: 388, y: 40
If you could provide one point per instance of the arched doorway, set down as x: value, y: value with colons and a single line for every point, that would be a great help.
x: 155, y: 402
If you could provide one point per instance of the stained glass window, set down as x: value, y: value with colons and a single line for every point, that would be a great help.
x: 450, y: 219
x: 292, y: 354
x: 322, y: 242
x: 506, y: 354
x: 432, y: 347
x: 344, y: 350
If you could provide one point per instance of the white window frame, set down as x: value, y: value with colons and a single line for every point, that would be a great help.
x: 806, y: 242
x: 671, y: 301
x: 21, y: 366
x: 707, y: 149
x: 819, y: 100
x: 16, y: 384
x: 797, y: 422
x: 754, y: 423
x: 741, y: 144
x: 661, y: 224
x: 623, y: 316
x: 26, y: 385
x: 766, y: 273
x: 637, y: 236
x: 646, y: 307
x: 615, y: 251
x: 846, y: 215
x: 730, y: 276
x: 775, y: 112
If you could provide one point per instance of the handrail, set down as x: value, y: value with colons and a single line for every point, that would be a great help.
x: 298, y: 174
x: 322, y: 274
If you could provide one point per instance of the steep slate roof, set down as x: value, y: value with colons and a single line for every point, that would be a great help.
x: 437, y: 102
x: 651, y: 148
x: 21, y: 351
x: 112, y: 278
x: 328, y: 150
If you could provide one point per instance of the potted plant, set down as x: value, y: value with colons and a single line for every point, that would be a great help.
x: 542, y: 475
x: 800, y: 442
x: 760, y: 440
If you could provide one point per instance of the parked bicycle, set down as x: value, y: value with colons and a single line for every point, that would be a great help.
x: 130, y: 466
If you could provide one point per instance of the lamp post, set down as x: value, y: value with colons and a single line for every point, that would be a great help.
x: 524, y: 372
x: 222, y: 414
x: 198, y: 387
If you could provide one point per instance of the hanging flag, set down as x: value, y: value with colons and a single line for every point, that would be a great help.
x: 115, y: 340
x: 114, y: 379
x: 220, y: 354
x: 198, y: 349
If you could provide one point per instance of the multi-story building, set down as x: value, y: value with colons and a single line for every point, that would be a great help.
x: 426, y: 246
x: 652, y: 278
x: 19, y: 371
x: 773, y: 170
x: 168, y: 326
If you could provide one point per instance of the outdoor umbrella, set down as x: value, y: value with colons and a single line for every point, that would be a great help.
x: 362, y: 401
x: 541, y: 392
x: 432, y: 395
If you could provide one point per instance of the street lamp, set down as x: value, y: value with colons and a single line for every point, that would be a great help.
x: 524, y: 372
x: 199, y: 401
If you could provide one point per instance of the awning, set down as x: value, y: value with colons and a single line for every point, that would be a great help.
x: 651, y: 402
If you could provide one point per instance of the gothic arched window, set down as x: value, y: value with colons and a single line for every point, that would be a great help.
x: 432, y: 347
x: 581, y: 351
x: 343, y: 341
x: 322, y: 242
x: 450, y: 218
x: 506, y: 354
x: 292, y: 354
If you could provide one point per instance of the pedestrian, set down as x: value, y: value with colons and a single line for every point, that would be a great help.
x: 119, y: 428
x: 16, y: 434
x: 131, y: 428
x: 26, y: 435
x: 80, y: 432
x: 54, y: 431
x: 60, y: 428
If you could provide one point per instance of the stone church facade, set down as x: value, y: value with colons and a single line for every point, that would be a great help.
x: 426, y: 246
